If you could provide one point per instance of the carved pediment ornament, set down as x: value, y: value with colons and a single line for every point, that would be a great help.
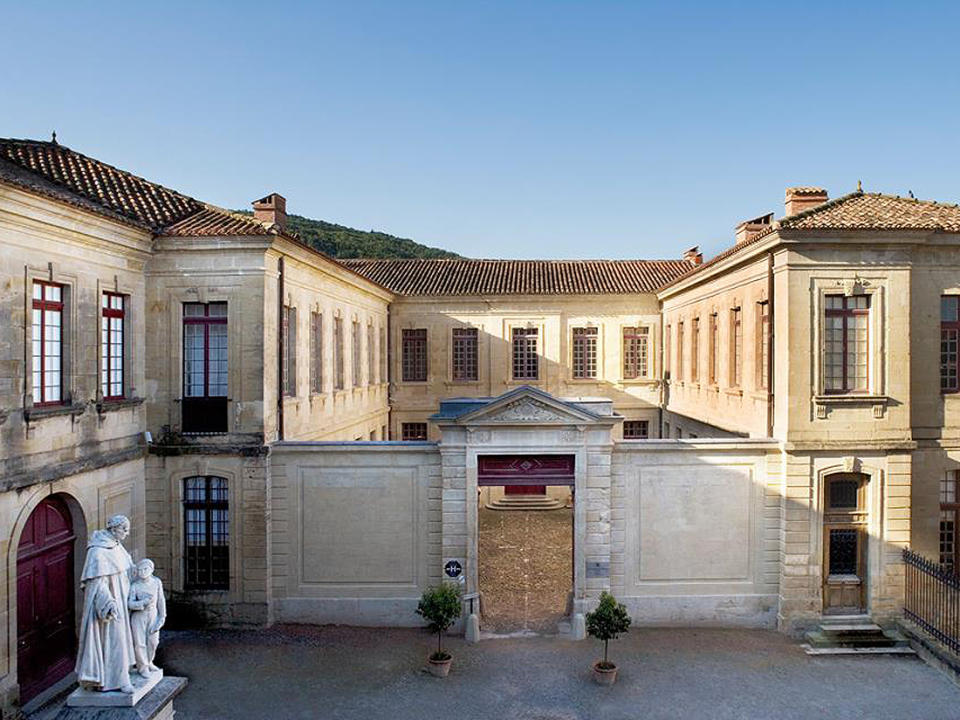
x: 527, y: 410
x: 851, y: 464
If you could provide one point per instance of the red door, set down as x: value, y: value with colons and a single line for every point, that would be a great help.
x: 46, y: 639
x: 525, y: 489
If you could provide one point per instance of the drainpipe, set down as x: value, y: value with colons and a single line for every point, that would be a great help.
x: 389, y: 374
x: 769, y: 340
x: 280, y: 368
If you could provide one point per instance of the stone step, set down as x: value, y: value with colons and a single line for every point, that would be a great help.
x: 538, y: 502
x: 846, y: 637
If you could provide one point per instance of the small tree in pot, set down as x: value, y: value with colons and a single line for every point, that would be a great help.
x: 608, y: 622
x: 440, y: 606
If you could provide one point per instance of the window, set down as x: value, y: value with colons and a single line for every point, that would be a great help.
x: 371, y: 354
x: 316, y: 352
x: 206, y: 524
x: 666, y: 350
x: 525, y: 360
x: 585, y: 352
x: 736, y: 348
x: 763, y: 345
x: 338, y: 383
x: 680, y: 351
x: 383, y: 355
x: 414, y: 355
x: 413, y: 431
x: 355, y: 354
x: 111, y: 346
x: 635, y: 429
x: 635, y: 352
x: 845, y: 341
x: 464, y: 354
x: 47, y: 343
x: 949, y: 334
x: 289, y: 351
x: 695, y: 350
x: 666, y: 430
x: 204, y: 367
x: 383, y: 432
x: 714, y: 349
x: 949, y: 522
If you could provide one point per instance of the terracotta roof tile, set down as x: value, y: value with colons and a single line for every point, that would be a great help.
x: 519, y: 277
x: 118, y: 193
x: 856, y: 211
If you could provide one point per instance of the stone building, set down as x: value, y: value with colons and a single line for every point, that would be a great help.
x: 745, y: 441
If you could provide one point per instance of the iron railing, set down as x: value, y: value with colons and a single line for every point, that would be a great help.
x: 932, y: 599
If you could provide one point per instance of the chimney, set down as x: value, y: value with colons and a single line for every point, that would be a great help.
x: 799, y: 199
x: 271, y: 210
x: 693, y: 255
x: 749, y: 229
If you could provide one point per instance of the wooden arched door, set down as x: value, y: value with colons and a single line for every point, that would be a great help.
x: 46, y: 637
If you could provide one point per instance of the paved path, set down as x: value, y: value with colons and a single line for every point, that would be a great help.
x: 526, y: 569
x: 307, y: 672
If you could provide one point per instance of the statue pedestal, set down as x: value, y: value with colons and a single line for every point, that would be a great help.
x: 156, y: 703
x: 114, y: 698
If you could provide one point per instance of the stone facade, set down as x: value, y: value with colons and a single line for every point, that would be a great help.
x: 722, y: 516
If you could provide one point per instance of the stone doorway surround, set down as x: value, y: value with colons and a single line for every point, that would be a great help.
x: 528, y: 421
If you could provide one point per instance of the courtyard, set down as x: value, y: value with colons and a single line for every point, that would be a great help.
x: 291, y: 671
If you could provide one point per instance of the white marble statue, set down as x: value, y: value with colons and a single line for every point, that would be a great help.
x: 148, y: 612
x: 106, y: 644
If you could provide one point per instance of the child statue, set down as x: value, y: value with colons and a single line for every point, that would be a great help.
x: 148, y: 613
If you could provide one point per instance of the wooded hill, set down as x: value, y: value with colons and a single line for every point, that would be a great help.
x: 344, y: 242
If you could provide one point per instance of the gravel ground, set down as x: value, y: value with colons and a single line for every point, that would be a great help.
x: 334, y: 672
x: 525, y: 569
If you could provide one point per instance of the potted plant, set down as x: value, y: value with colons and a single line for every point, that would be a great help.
x: 608, y: 622
x: 440, y: 606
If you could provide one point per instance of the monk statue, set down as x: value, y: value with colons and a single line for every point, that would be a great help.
x: 106, y: 644
x: 148, y: 612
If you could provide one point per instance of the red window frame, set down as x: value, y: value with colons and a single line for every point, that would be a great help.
x: 46, y: 305
x: 206, y: 320
x: 949, y: 344
x: 846, y: 313
x: 414, y: 355
x: 109, y: 331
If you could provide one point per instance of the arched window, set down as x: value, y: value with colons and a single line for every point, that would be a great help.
x: 206, y: 523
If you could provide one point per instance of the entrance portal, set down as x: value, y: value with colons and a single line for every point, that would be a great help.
x: 46, y: 639
x: 844, y: 544
x: 525, y: 545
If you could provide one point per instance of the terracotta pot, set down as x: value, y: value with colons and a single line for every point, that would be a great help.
x: 439, y: 668
x: 604, y: 676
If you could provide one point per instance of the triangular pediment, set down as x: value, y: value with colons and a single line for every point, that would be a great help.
x: 529, y: 406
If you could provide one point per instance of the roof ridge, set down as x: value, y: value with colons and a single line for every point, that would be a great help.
x: 128, y: 173
x: 524, y: 260
x: 787, y: 220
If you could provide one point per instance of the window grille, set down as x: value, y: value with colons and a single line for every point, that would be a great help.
x: 289, y: 351
x: 338, y: 381
x: 846, y: 344
x: 585, y: 352
x: 316, y: 352
x: 949, y: 338
x: 206, y: 533
x: 413, y: 431
x: 736, y: 348
x: 465, y: 354
x: 635, y: 352
x: 414, y: 355
x: 47, y: 343
x: 111, y: 345
x: 525, y: 359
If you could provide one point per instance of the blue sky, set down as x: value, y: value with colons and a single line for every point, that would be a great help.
x: 501, y: 129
